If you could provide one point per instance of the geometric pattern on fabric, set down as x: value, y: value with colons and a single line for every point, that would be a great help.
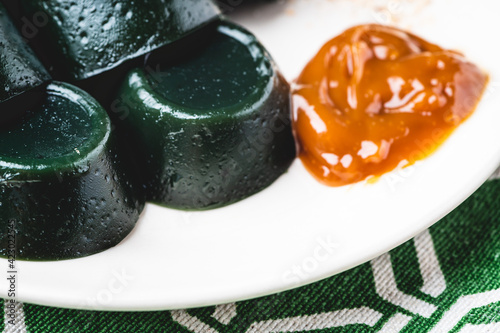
x: 446, y: 279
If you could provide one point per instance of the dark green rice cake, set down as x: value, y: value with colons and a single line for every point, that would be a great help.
x: 64, y: 187
x: 20, y: 72
x: 89, y: 37
x: 212, y: 129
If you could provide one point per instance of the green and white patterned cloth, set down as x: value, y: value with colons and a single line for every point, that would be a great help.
x: 446, y: 279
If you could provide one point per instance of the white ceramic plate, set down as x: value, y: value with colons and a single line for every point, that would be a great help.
x: 296, y: 231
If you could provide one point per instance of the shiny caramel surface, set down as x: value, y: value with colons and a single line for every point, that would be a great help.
x: 375, y: 98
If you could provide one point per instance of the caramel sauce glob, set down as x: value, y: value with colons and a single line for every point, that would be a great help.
x: 375, y: 98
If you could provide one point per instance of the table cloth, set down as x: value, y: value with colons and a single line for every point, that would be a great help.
x: 446, y: 279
